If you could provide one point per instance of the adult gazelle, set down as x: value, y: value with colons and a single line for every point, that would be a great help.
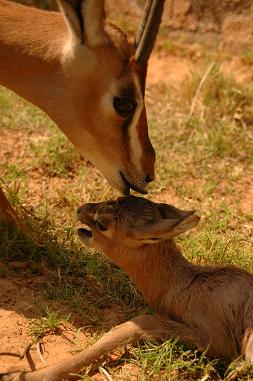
x: 85, y: 74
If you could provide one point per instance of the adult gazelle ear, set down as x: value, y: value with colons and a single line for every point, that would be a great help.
x: 173, y: 221
x: 85, y: 21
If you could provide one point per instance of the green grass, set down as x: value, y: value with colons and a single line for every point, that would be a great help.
x: 247, y: 56
x: 56, y: 156
x: 48, y: 323
x: 171, y: 360
x: 203, y: 163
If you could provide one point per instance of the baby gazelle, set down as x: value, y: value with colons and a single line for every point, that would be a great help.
x: 210, y: 307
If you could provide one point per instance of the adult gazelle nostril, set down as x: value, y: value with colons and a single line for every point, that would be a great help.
x: 148, y: 179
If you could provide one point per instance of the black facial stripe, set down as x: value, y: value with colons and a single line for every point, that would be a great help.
x: 128, y: 92
x: 127, y: 122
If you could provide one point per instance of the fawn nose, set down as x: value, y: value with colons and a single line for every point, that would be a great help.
x: 79, y: 209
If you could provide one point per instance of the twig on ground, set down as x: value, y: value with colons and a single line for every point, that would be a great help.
x: 9, y: 354
x: 26, y: 350
x: 201, y: 84
x: 105, y: 373
x: 38, y: 348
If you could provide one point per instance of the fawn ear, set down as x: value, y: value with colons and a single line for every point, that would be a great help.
x: 173, y: 221
x: 85, y: 21
x: 171, y: 212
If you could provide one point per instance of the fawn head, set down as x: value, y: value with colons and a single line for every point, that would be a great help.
x: 131, y: 222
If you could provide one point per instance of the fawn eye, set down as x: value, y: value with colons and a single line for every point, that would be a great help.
x: 100, y: 226
x: 124, y: 106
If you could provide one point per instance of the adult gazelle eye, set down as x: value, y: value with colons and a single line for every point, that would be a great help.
x: 101, y: 226
x: 124, y: 106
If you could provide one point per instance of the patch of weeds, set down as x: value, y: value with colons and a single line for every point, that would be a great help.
x: 223, y: 140
x: 14, y: 173
x: 220, y: 95
x: 50, y: 323
x: 215, y: 248
x: 239, y: 370
x: 247, y: 57
x: 19, y: 114
x: 172, y: 361
x: 215, y: 141
x: 56, y: 155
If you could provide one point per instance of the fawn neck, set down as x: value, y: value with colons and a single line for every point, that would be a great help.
x: 157, y: 270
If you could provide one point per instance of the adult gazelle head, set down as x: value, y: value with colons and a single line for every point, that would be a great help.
x: 104, y: 109
x: 85, y: 74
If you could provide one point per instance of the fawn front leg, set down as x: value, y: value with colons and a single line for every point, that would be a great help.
x: 141, y: 327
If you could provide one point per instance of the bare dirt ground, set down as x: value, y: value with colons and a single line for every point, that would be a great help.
x: 18, y: 298
x: 20, y: 304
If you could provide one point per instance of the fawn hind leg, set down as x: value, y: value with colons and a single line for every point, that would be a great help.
x: 141, y: 327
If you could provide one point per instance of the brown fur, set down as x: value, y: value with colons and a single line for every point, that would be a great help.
x: 210, y: 307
